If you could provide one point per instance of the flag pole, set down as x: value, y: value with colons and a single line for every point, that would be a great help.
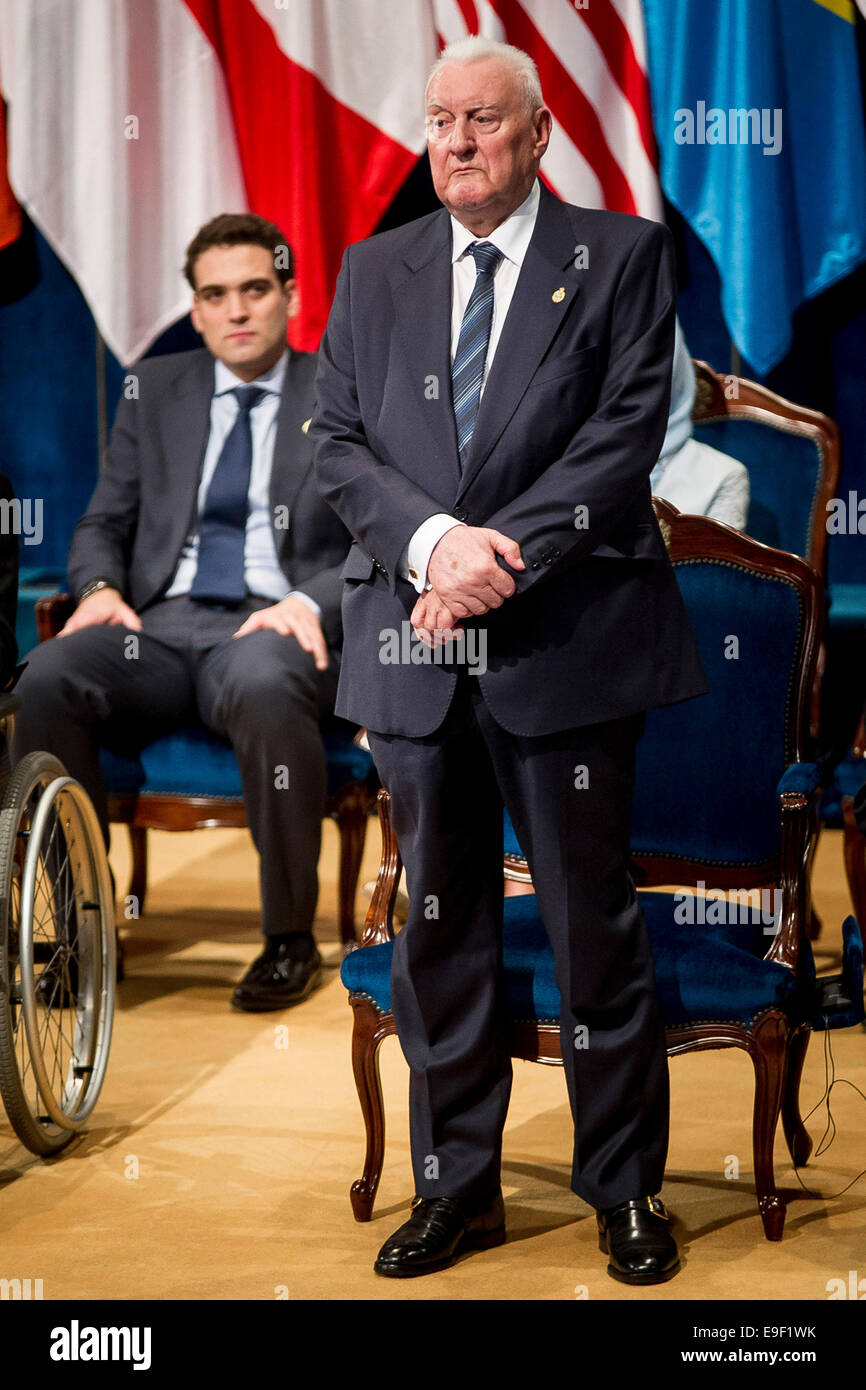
x: 101, y: 401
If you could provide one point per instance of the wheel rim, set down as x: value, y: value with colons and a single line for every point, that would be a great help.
x: 66, y: 926
x: 23, y: 1062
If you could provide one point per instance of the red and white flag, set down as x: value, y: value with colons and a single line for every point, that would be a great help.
x: 120, y: 145
x: 327, y: 98
x: 131, y: 122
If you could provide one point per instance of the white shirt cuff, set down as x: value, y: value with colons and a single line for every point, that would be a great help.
x: 416, y: 557
x: 310, y: 602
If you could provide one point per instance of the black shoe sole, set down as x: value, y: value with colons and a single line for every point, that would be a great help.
x: 270, y: 1005
x: 482, y: 1240
x: 660, y: 1277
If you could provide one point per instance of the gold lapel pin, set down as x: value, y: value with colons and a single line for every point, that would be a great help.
x: 306, y: 425
x: 558, y: 295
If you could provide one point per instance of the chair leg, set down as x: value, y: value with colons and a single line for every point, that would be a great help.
x: 369, y: 1030
x: 138, y: 882
x: 768, y: 1053
x: 351, y: 818
x: 796, y: 1135
x: 855, y: 860
x: 814, y: 925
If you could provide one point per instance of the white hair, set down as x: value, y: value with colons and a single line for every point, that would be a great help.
x: 474, y: 48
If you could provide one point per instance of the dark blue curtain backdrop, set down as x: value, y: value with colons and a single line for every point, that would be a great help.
x: 49, y: 397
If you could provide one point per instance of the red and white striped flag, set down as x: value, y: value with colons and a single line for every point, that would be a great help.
x: 131, y: 122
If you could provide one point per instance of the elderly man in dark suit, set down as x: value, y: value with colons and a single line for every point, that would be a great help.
x: 492, y: 393
x: 207, y: 575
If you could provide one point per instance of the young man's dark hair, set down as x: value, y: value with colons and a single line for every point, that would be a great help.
x: 239, y: 229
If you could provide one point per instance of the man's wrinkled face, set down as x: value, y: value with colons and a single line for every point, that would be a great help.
x: 484, y: 144
x: 241, y: 308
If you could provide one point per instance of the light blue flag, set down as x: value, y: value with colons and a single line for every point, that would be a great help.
x: 759, y: 120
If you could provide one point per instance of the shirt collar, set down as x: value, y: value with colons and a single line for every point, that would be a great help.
x: 271, y: 380
x: 511, y: 237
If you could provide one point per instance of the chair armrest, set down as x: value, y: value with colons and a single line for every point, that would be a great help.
x: 52, y: 613
x: 796, y: 788
x: 804, y: 778
x: 379, y: 926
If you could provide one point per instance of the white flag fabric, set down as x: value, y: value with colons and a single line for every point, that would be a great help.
x: 121, y: 144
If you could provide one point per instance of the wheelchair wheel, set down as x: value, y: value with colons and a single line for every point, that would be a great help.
x: 57, y: 954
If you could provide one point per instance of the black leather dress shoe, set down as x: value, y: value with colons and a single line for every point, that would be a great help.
x: 439, y: 1229
x: 276, y: 979
x: 637, y: 1236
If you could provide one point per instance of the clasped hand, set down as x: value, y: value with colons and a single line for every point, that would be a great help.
x: 467, y: 581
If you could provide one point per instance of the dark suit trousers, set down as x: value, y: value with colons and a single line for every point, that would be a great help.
x: 447, y: 985
x: 261, y: 691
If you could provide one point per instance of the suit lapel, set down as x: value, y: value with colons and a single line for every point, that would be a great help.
x: 184, y: 430
x: 293, y: 456
x: 547, y: 285
x: 421, y: 289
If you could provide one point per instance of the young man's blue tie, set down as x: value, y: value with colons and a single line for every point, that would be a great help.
x: 219, y: 577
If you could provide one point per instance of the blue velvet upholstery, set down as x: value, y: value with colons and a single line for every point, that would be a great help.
x: 195, y: 762
x: 708, y: 973
x: 738, y: 822
x: 850, y: 776
x: 841, y: 996
x: 800, y: 777
x: 783, y: 477
x: 847, y: 605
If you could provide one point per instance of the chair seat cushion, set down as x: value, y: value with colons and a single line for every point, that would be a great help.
x: 703, y: 973
x: 196, y: 762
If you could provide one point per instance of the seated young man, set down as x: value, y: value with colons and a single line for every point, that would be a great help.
x: 206, y: 570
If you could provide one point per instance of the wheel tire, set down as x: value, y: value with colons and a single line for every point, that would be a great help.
x: 54, y: 1038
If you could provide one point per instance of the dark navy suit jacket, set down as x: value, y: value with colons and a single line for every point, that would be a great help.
x: 145, y: 502
x: 570, y: 425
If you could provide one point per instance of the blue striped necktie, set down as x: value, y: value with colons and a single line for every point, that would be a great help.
x: 222, y: 531
x: 467, y: 372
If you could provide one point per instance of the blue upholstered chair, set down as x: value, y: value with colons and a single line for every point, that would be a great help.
x: 792, y: 457
x: 189, y: 780
x: 848, y: 780
x: 791, y: 453
x: 793, y: 461
x: 723, y: 798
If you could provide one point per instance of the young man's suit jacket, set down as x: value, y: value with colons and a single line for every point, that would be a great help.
x: 145, y: 501
x: 569, y: 427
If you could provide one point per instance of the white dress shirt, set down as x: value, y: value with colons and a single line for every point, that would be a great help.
x: 262, y: 572
x: 511, y: 237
